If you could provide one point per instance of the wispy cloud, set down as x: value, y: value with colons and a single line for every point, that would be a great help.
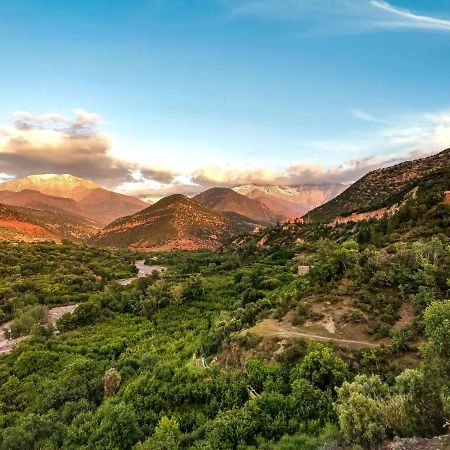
x: 391, y: 141
x: 363, y: 115
x: 338, y: 16
x: 408, y: 19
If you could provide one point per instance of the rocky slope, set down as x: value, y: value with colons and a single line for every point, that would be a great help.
x: 34, y: 225
x: 175, y: 222
x: 16, y: 226
x: 291, y: 201
x: 384, y: 188
x: 227, y: 200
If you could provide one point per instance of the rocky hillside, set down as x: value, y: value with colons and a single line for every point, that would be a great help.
x: 385, y: 188
x: 175, y: 222
x: 55, y: 192
x: 15, y: 226
x: 291, y: 201
x: 33, y: 225
x: 227, y: 200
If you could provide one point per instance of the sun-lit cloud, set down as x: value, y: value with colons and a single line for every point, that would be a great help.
x: 338, y: 16
x: 57, y: 143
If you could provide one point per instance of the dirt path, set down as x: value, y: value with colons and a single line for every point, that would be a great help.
x: 273, y: 328
x: 6, y: 345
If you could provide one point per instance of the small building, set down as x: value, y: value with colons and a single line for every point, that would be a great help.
x: 303, y: 270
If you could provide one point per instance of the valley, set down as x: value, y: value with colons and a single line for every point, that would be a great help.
x: 246, y: 334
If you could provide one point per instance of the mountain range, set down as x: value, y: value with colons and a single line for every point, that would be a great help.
x: 56, y: 207
x: 228, y: 200
x: 288, y: 202
x: 66, y: 193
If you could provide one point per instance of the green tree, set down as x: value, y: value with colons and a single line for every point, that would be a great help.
x: 321, y: 367
x: 167, y: 436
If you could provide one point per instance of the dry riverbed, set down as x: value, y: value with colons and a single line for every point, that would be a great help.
x: 143, y: 271
x: 6, y: 345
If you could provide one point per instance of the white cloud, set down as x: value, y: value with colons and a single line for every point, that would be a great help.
x: 338, y: 16
x: 407, y: 19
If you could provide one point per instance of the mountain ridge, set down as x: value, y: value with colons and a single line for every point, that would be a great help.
x: 228, y: 200
x: 386, y: 187
x: 291, y: 201
x: 174, y: 222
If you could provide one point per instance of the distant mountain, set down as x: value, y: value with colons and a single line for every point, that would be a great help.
x: 105, y: 206
x: 30, y: 225
x: 175, y: 222
x: 291, y: 201
x: 64, y: 192
x: 384, y: 188
x: 60, y: 185
x: 227, y: 200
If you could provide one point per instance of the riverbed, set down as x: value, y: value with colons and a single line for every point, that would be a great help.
x: 143, y: 271
x: 54, y: 314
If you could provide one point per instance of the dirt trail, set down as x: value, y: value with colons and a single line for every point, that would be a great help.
x: 273, y: 328
x: 6, y: 345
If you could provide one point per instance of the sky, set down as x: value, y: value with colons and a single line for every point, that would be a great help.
x: 152, y: 97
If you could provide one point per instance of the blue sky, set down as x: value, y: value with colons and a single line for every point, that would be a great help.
x: 195, y: 93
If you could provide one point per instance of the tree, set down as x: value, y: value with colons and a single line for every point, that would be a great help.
x: 118, y: 427
x: 111, y: 382
x: 359, y: 410
x: 194, y: 288
x: 321, y: 367
x: 437, y: 328
x: 167, y: 436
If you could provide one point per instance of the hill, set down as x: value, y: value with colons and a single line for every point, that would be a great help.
x: 385, y: 188
x: 175, y: 222
x: 227, y: 200
x: 32, y: 225
x: 65, y: 192
x: 16, y: 226
x: 291, y: 201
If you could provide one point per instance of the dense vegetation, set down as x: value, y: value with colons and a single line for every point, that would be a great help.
x: 152, y: 365
x: 36, y: 277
